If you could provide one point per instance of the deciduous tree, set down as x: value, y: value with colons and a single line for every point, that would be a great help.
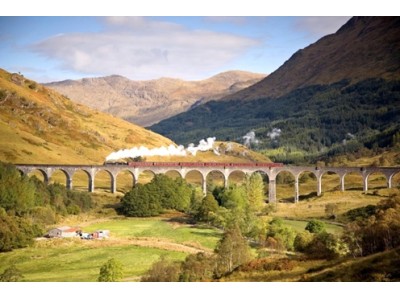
x: 232, y: 251
x: 111, y: 271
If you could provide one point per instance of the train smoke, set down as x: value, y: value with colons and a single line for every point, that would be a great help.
x: 250, y: 138
x: 171, y: 150
x: 276, y: 132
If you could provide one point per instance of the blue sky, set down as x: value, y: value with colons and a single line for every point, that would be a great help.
x: 141, y: 48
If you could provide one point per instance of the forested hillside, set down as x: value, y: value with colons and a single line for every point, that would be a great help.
x: 338, y: 95
x: 319, y: 120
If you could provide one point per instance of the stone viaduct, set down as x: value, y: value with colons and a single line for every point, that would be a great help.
x: 271, y: 172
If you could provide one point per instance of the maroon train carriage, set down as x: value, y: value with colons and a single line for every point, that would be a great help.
x: 202, y: 164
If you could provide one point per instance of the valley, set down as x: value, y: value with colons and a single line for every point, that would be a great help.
x: 294, y: 176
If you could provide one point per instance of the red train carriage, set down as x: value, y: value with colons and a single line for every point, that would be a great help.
x: 202, y: 164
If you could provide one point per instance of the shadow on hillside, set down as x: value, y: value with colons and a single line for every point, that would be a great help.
x: 182, y: 219
x: 308, y: 196
x: 115, y: 206
x: 354, y: 189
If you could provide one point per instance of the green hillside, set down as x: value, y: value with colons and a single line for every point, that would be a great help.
x: 338, y: 95
x: 329, y: 119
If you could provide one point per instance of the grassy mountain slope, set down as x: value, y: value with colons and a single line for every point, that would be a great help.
x: 39, y: 125
x: 346, y: 104
x: 148, y: 102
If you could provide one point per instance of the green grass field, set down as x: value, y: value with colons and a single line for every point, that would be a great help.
x: 161, y: 229
x: 301, y: 225
x: 137, y: 243
x: 80, y: 261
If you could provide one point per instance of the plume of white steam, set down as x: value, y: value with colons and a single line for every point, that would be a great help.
x: 250, y: 138
x: 276, y: 132
x: 204, y: 145
x: 171, y: 150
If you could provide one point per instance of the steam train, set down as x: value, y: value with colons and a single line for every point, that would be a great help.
x: 141, y: 164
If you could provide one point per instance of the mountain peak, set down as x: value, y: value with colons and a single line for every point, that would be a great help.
x: 364, y: 47
x: 149, y: 101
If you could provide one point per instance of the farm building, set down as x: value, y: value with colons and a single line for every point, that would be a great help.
x: 62, y: 232
x: 99, y: 234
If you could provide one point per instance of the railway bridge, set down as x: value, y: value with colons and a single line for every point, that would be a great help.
x: 205, y: 169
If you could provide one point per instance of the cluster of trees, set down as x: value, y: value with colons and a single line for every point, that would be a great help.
x: 222, y: 208
x: 373, y: 229
x: 231, y: 252
x: 27, y: 205
x: 152, y: 198
x: 328, y: 120
x: 240, y: 211
x: 376, y: 228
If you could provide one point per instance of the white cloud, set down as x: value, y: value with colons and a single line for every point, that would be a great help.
x: 141, y: 48
x: 320, y: 26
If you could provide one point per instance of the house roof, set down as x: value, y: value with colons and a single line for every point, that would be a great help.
x: 68, y: 229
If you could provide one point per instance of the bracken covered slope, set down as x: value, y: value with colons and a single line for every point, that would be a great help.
x: 38, y: 125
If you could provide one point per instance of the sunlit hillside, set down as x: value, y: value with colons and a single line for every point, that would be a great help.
x: 39, y: 125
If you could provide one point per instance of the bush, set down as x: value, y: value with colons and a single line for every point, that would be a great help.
x: 302, y: 241
x: 111, y: 271
x: 17, y: 232
x: 327, y: 246
x: 43, y: 215
x: 361, y: 212
x: 315, y: 226
x: 11, y: 274
x: 17, y: 193
x: 284, y: 236
x: 197, y: 267
x: 162, y: 271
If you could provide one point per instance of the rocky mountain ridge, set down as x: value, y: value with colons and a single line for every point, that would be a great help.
x: 148, y: 102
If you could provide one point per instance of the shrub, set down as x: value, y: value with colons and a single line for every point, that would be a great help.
x: 328, y: 246
x: 17, y: 232
x: 111, y: 271
x: 302, y: 241
x: 315, y: 226
x: 197, y: 267
x: 11, y: 274
x: 281, y: 234
x: 162, y: 271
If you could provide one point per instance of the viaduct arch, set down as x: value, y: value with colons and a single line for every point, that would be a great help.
x: 271, y: 172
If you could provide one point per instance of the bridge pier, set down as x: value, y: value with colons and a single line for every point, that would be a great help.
x: 296, y: 189
x: 204, y: 187
x: 341, y: 182
x: 319, y: 185
x: 69, y: 183
x: 91, y: 185
x: 272, y: 191
x: 113, y: 184
x: 365, y: 182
